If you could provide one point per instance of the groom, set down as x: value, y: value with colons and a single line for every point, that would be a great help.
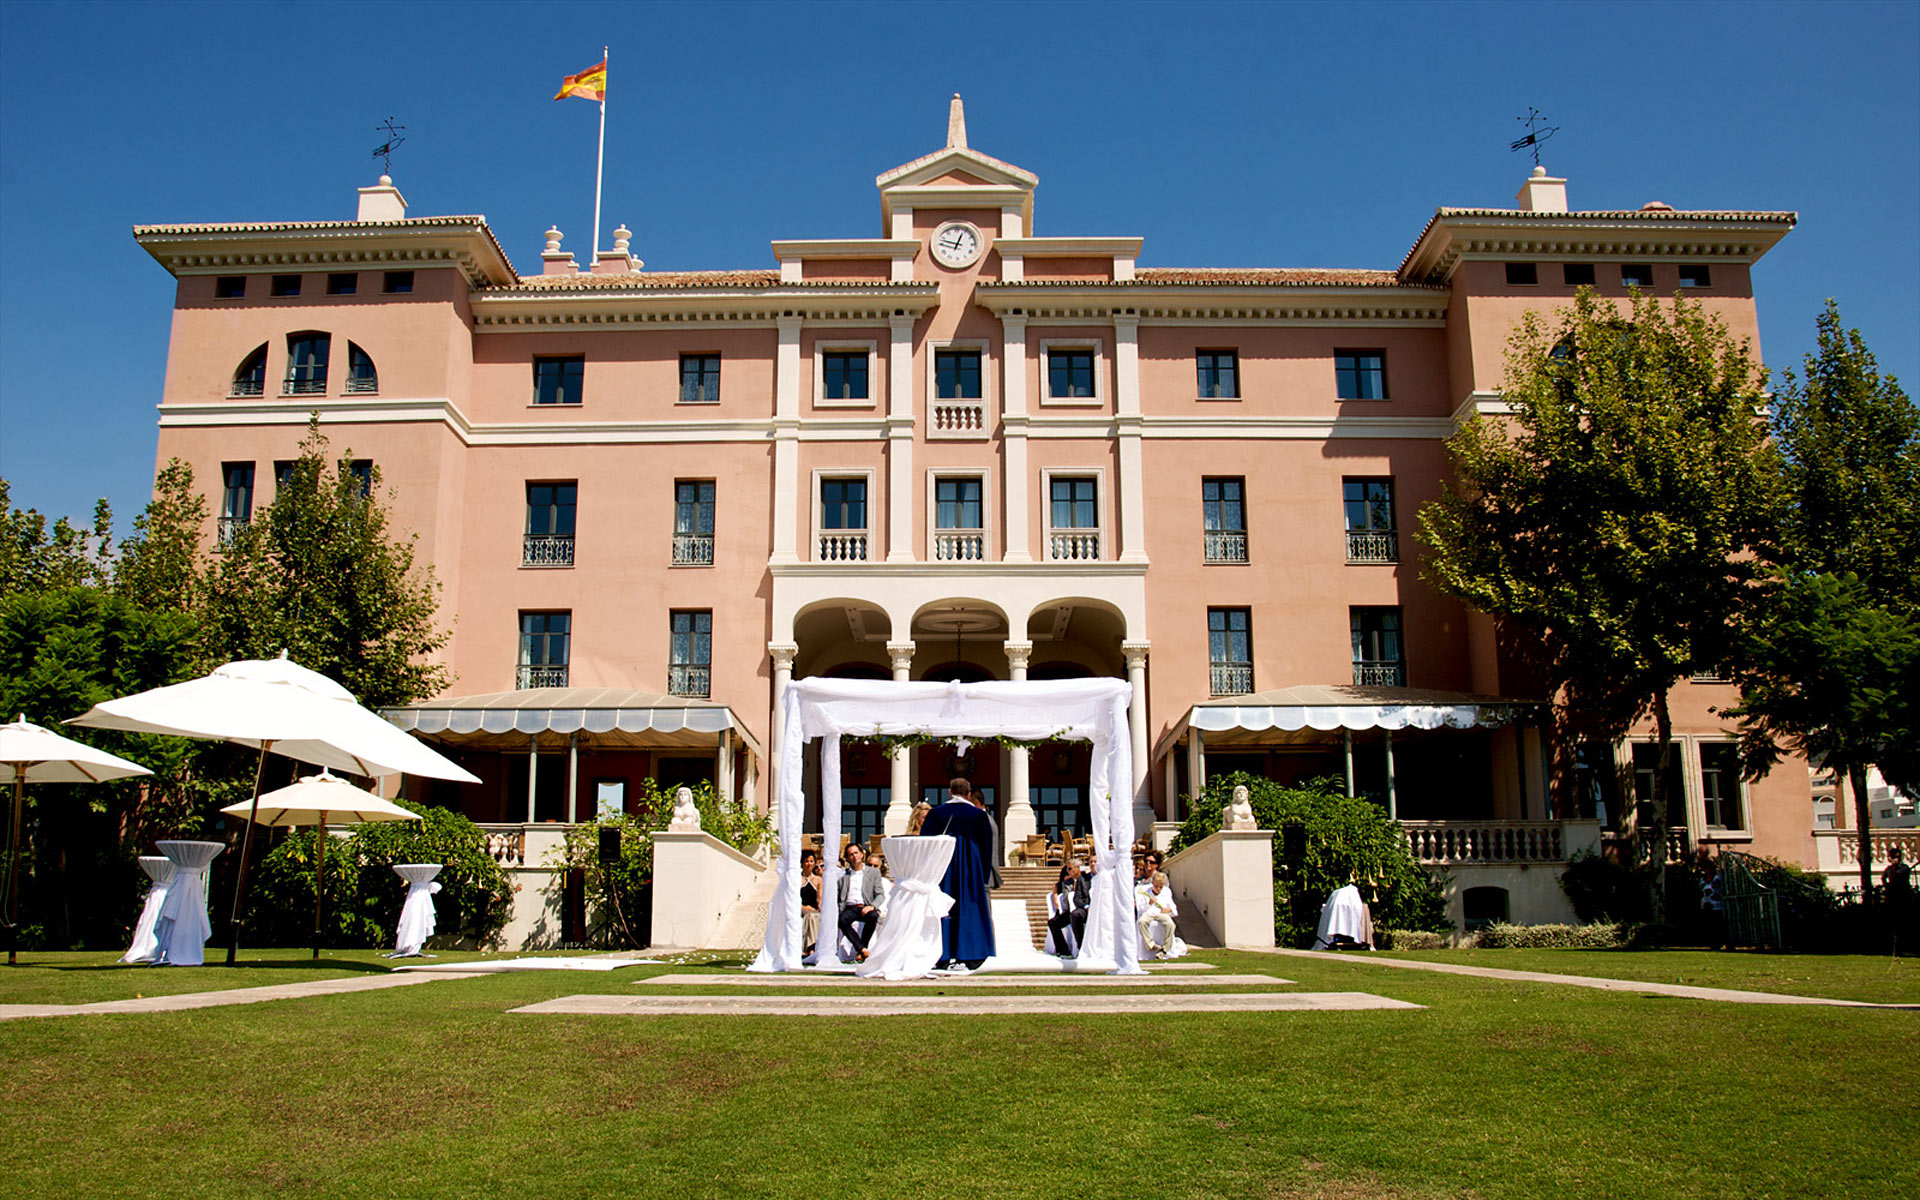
x: 966, y: 934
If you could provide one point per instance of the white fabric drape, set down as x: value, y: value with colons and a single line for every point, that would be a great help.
x: 908, y: 943
x: 1213, y: 718
x: 1093, y: 710
x: 416, y: 912
x: 145, y: 948
x: 181, y: 928
x: 1344, y: 913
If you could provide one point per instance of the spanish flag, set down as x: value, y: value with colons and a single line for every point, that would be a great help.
x: 590, y: 84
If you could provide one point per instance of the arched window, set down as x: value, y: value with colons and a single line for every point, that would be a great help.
x: 307, y: 363
x: 361, y: 377
x: 251, y: 377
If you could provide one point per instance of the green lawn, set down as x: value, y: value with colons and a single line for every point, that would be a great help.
x: 84, y: 978
x: 1495, y: 1090
x: 1837, y: 976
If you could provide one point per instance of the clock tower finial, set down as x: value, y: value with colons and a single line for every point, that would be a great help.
x: 956, y: 124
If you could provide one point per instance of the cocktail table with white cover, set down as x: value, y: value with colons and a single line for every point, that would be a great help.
x: 416, y: 914
x: 145, y: 948
x: 908, y: 944
x: 1345, y: 914
x: 181, y: 929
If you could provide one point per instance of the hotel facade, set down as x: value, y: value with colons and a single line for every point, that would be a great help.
x: 959, y: 450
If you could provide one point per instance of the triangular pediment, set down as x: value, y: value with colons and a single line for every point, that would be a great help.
x: 969, y: 167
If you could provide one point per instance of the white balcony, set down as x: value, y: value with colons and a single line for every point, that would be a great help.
x: 687, y: 679
x: 1226, y: 546
x: 1373, y: 546
x: 957, y: 419
x: 1449, y: 843
x: 1073, y: 545
x: 1379, y: 674
x: 547, y: 550
x: 959, y: 545
x: 540, y: 675
x: 692, y: 549
x: 843, y: 545
x: 1231, y: 679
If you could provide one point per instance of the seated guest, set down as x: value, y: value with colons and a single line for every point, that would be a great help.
x: 860, y: 893
x: 1073, y: 894
x: 918, y: 818
x: 809, y: 900
x: 1157, y: 913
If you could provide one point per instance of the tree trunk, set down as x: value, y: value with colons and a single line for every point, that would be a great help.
x: 1863, y: 817
x: 1663, y: 731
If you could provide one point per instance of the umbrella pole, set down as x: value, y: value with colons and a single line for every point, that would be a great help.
x: 246, y: 849
x: 319, y: 884
x: 13, y: 866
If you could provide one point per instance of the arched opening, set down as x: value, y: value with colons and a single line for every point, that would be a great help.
x: 1482, y: 906
x: 250, y: 378
x: 362, y: 378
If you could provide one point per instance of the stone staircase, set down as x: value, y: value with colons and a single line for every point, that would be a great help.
x: 1031, y: 885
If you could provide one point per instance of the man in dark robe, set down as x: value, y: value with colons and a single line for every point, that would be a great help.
x: 966, y: 933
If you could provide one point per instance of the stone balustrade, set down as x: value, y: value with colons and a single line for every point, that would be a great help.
x: 958, y: 419
x: 843, y: 545
x: 1836, y: 852
x: 507, y: 844
x: 1447, y: 843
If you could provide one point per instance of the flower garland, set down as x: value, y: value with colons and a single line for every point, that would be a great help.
x: 893, y: 745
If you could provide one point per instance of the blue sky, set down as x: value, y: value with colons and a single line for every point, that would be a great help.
x: 1225, y: 134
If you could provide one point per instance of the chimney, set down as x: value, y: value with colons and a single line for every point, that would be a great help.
x: 554, y: 260
x: 382, y: 202
x: 620, y: 259
x: 1540, y: 193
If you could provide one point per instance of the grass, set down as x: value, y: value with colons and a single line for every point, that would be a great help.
x: 1882, y: 980
x: 85, y: 978
x: 1495, y: 1090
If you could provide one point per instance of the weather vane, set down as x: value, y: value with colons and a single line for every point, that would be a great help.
x: 384, y: 151
x: 1534, y: 135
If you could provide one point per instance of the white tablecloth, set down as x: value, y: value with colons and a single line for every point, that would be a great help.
x: 145, y: 948
x: 416, y: 914
x: 181, y: 928
x: 908, y: 943
x: 1344, y: 913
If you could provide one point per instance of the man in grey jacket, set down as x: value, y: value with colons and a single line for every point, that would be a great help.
x: 860, y: 892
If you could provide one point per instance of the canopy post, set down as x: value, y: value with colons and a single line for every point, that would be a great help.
x: 319, y: 883
x: 1020, y: 821
x: 782, y: 654
x: 533, y: 772
x: 573, y: 778
x: 246, y: 850
x: 1346, y: 741
x: 13, y: 863
x: 900, y: 762
x: 1393, y: 801
x: 1135, y: 654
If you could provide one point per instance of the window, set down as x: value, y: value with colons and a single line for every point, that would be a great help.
x: 1522, y: 274
x: 1482, y: 906
x: 1371, y: 536
x: 285, y: 285
x: 362, y: 379
x: 693, y: 522
x: 699, y: 379
x: 1378, y: 656
x: 956, y: 374
x: 1070, y: 373
x: 1695, y: 275
x: 360, y: 470
x: 1636, y: 275
x: 307, y: 364
x: 1224, y: 518
x: 230, y: 287
x: 559, y: 379
x: 1360, y: 374
x: 1577, y: 274
x: 690, y: 654
x: 1596, y: 784
x: 843, y: 374
x: 1720, y: 785
x: 1646, y: 761
x: 236, y: 500
x: 958, y: 533
x: 397, y: 283
x: 251, y: 378
x: 343, y: 283
x: 548, y: 541
x: 843, y: 519
x: 1230, y: 651
x: 863, y: 811
x: 1219, y: 372
x: 1057, y: 808
x: 1073, y: 533
x: 544, y: 638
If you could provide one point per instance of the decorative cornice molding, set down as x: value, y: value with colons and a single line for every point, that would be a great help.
x: 1451, y: 238
x: 867, y: 304
x: 1266, y: 305
x: 205, y: 250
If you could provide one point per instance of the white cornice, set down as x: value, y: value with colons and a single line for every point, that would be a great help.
x: 470, y: 247
x: 963, y: 570
x: 844, y: 248
x: 1450, y: 239
x: 1214, y: 305
x: 1125, y: 247
x: 642, y: 309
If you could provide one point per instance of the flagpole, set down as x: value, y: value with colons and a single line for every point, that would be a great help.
x: 600, y: 167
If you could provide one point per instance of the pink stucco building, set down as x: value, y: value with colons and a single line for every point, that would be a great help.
x: 963, y: 449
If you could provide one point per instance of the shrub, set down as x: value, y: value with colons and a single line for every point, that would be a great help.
x: 1604, y: 889
x: 1602, y: 936
x: 363, y: 895
x: 1412, y: 939
x: 1348, y: 839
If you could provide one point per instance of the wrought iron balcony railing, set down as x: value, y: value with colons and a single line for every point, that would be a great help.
x: 547, y: 550
x: 307, y: 385
x: 1226, y: 546
x: 1373, y: 546
x: 692, y: 549
x: 362, y: 385
x: 540, y: 675
x: 688, y: 680
x: 248, y: 387
x: 1379, y: 674
x: 230, y: 527
x: 1231, y: 679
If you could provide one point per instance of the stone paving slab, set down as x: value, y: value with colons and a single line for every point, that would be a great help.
x: 1177, y: 966
x: 190, y: 1000
x: 1682, y: 990
x: 898, y: 1006
x: 795, y: 980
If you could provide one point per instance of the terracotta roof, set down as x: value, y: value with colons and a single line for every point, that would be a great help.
x: 654, y: 281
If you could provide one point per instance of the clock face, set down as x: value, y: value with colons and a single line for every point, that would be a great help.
x: 956, y: 244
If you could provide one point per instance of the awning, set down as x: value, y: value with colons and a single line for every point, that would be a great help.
x: 611, y: 717
x: 1296, y: 714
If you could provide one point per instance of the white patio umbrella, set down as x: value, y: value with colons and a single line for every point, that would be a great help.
x: 275, y: 705
x: 319, y: 800
x: 31, y: 754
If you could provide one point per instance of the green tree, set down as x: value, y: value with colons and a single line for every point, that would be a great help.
x: 1827, y: 662
x: 1612, y: 521
x: 36, y: 559
x: 316, y: 574
x: 161, y: 565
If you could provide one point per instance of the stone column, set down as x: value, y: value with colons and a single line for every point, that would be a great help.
x: 786, y: 441
x: 533, y: 772
x: 783, y: 654
x: 1020, y: 822
x: 1135, y: 654
x: 573, y: 778
x: 900, y: 783
x: 1127, y: 420
x: 1196, y: 764
x: 1013, y: 444
x: 900, y: 529
x: 723, y: 768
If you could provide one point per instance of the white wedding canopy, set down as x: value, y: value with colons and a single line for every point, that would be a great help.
x: 1092, y: 710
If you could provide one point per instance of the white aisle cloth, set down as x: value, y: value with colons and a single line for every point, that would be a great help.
x: 1344, y: 913
x: 908, y: 943
x: 416, y: 914
x: 181, y: 928
x: 145, y: 948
